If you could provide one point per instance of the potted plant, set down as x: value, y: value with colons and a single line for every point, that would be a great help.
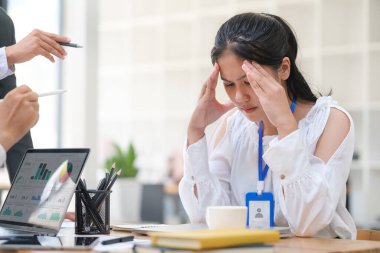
x: 126, y: 195
x: 124, y: 160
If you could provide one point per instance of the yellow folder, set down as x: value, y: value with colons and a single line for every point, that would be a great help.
x: 213, y: 238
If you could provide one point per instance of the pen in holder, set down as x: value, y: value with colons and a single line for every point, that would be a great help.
x: 92, y: 217
x: 92, y: 207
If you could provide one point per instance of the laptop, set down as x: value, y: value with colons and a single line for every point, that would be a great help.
x: 41, y: 192
x: 49, y: 243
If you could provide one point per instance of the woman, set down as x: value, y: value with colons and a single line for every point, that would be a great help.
x: 307, y: 142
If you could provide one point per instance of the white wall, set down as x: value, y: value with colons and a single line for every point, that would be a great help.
x: 80, y: 104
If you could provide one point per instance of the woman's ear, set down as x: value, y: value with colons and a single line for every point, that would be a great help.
x: 284, y: 71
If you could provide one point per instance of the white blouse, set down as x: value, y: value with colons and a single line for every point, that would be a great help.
x: 309, y: 195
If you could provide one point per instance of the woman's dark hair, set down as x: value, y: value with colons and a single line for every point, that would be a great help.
x: 265, y: 39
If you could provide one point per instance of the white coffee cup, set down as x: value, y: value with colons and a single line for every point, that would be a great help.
x: 226, y: 217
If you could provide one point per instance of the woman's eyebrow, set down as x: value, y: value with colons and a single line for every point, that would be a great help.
x: 221, y: 77
x: 240, y: 78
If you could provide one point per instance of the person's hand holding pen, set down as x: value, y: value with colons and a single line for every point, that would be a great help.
x: 50, y: 93
x: 19, y: 111
x: 37, y: 43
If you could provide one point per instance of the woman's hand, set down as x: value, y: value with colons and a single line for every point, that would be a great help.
x: 273, y: 98
x: 207, y: 110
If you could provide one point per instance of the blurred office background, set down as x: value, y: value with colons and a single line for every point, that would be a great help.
x: 139, y: 74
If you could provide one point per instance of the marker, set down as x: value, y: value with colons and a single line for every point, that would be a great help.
x: 64, y: 44
x: 118, y: 240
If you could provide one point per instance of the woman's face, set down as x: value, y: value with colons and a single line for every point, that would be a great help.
x: 238, y: 88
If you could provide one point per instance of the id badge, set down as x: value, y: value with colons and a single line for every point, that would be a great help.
x: 260, y: 210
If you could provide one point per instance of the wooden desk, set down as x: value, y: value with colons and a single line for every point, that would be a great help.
x: 289, y: 245
x: 314, y: 245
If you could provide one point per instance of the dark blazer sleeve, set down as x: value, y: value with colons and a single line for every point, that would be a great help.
x: 7, y: 38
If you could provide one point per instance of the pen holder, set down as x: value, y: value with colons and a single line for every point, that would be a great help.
x: 92, y: 211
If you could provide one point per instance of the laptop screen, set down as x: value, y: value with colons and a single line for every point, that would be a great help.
x: 43, y: 187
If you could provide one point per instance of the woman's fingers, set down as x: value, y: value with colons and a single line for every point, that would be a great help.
x: 213, y: 79
x: 267, y: 79
x: 208, y: 88
x: 203, y: 91
x: 252, y: 77
x: 257, y: 89
x: 259, y: 78
x: 260, y: 69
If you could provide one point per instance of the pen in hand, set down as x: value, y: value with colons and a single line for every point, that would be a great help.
x: 118, y: 240
x: 44, y: 94
x: 56, y: 92
x: 64, y: 44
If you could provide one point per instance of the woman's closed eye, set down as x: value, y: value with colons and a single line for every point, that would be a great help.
x: 227, y: 84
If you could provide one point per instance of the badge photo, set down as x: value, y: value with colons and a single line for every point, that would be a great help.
x: 260, y: 210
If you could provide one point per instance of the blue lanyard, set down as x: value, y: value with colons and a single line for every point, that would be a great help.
x: 263, y: 172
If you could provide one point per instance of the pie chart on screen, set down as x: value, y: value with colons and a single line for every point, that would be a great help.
x: 58, y: 180
x: 65, y: 171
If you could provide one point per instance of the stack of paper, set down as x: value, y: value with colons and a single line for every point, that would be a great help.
x: 147, y: 228
x: 257, y: 248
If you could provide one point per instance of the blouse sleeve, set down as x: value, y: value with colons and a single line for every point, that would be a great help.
x: 3, y: 155
x: 311, y: 189
x: 4, y: 69
x: 211, y: 177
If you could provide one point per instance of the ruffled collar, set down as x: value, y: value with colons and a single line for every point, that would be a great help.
x: 321, y: 105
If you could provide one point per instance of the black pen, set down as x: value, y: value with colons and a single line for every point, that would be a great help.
x: 64, y: 44
x: 117, y: 240
x: 86, y: 198
x: 112, y: 171
x: 99, y: 200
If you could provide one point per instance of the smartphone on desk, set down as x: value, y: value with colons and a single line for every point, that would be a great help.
x: 49, y: 242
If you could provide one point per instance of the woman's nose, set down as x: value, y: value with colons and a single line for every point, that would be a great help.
x: 241, y: 95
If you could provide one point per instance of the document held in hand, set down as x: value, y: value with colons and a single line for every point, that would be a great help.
x: 213, y: 238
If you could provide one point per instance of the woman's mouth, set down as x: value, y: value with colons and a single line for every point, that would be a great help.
x: 249, y: 110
